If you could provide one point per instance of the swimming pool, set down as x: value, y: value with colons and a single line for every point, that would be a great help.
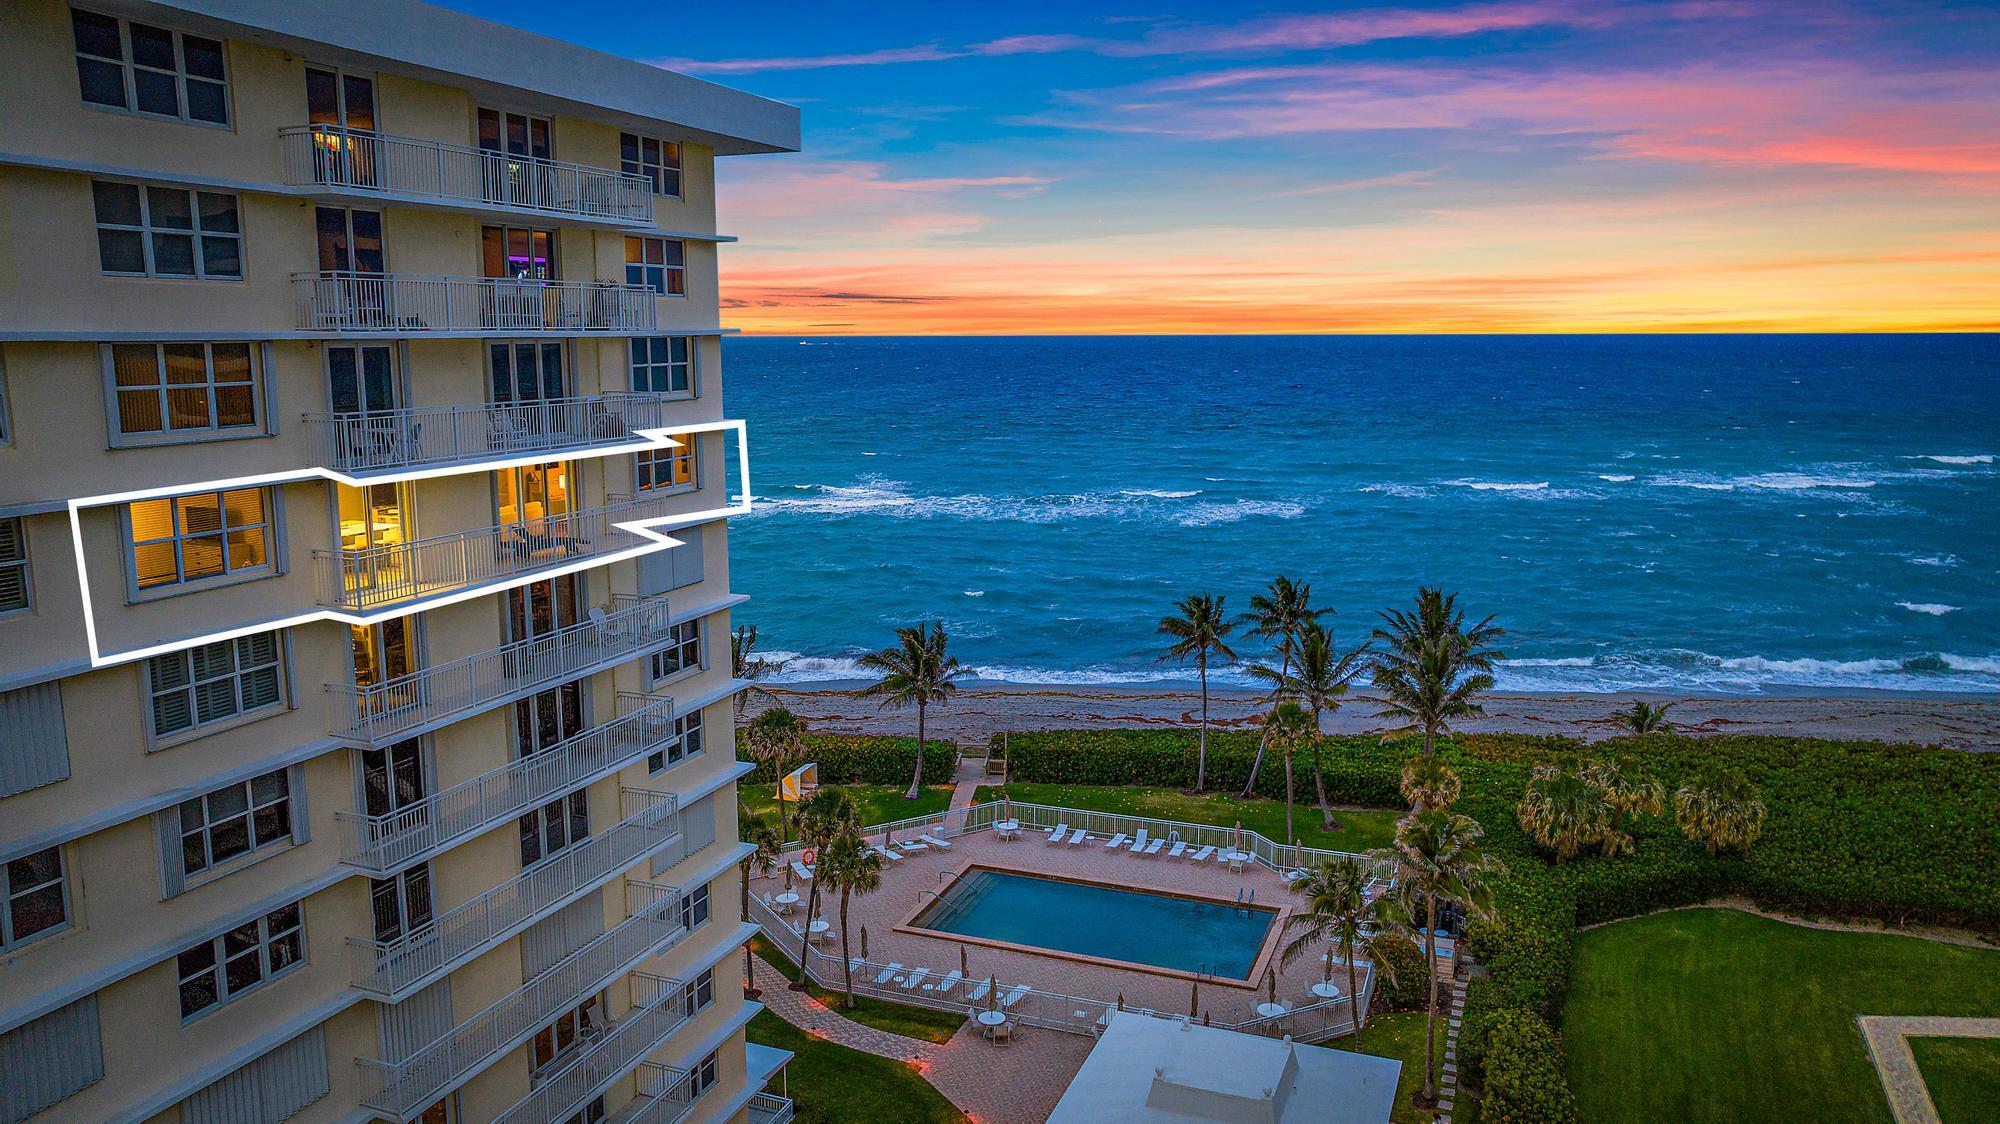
x: 1105, y: 922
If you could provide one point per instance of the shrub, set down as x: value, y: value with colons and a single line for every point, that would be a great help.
x: 1358, y: 770
x: 1408, y: 990
x: 1524, y: 1073
x: 863, y: 759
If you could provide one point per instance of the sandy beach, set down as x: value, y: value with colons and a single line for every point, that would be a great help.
x: 979, y: 711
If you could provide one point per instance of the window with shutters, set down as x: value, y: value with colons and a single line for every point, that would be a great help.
x: 15, y: 595
x: 148, y: 230
x: 138, y: 68
x: 235, y: 820
x: 686, y: 744
x: 216, y: 683
x: 34, y: 898
x: 182, y: 391
x: 49, y: 1058
x: 216, y: 971
x: 200, y: 538
x: 683, y: 650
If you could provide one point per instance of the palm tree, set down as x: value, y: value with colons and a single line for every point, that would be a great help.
x: 1200, y: 628
x: 1339, y: 913
x: 1563, y: 811
x: 1627, y: 793
x: 850, y: 865
x: 1289, y: 727
x: 1720, y: 809
x: 764, y: 836
x: 1280, y: 613
x: 1645, y: 718
x: 777, y: 738
x: 1432, y: 667
x: 746, y: 666
x: 822, y: 817
x: 918, y: 670
x: 1320, y: 683
x: 1439, y: 858
x: 1429, y: 783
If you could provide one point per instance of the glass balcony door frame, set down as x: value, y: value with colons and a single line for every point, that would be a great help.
x: 343, y: 104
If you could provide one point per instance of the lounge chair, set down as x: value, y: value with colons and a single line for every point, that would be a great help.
x: 1294, y: 877
x: 1139, y: 841
x: 1061, y: 830
x: 802, y: 870
x: 935, y: 841
x: 1201, y: 855
x: 1117, y: 841
x: 887, y: 853
x: 913, y: 846
x: 951, y: 981
x: 1014, y: 996
x: 979, y: 992
x: 915, y: 978
x: 1152, y: 848
x: 1180, y: 847
x: 1077, y: 836
x: 887, y: 971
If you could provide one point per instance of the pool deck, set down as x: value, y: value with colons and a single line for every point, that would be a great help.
x: 909, y: 885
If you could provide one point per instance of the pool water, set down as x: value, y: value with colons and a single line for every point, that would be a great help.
x: 1135, y: 926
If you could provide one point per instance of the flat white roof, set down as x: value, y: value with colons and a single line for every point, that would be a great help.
x: 524, y: 70
x: 1156, y: 1071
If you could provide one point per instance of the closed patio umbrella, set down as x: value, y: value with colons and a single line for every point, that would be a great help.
x: 864, y: 942
x: 963, y: 970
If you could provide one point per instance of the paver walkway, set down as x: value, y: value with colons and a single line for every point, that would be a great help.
x: 1448, y: 1076
x: 1020, y: 1082
x: 971, y: 774
x: 1888, y: 1039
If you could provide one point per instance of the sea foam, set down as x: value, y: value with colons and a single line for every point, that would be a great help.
x: 1929, y: 608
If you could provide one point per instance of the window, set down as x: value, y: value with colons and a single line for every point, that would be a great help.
x: 661, y: 469
x: 553, y: 828
x: 694, y: 908
x: 134, y: 66
x: 217, y: 971
x: 657, y: 160
x: 186, y: 538
x: 401, y: 903
x: 590, y: 1113
x: 14, y: 596
x: 663, y: 364
x: 215, y: 682
x: 392, y: 778
x: 555, y: 1039
x: 33, y: 899
x: 235, y: 820
x: 182, y: 388
x: 683, y: 650
x: 702, y: 1077
x: 152, y: 231
x: 699, y: 993
x: 659, y: 264
x: 686, y: 743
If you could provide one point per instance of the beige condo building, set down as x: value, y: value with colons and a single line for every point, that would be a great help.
x: 357, y: 762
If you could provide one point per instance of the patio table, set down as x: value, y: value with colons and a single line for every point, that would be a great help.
x: 1326, y: 990
x: 785, y: 901
x: 1272, y: 1010
x: 1236, y: 859
x: 819, y: 929
x: 1008, y: 829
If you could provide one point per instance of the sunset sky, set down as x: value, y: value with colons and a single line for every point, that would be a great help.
x: 1512, y: 166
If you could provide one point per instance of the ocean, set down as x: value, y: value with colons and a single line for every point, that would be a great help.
x: 1698, y: 514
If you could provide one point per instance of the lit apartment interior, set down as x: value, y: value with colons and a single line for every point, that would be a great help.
x: 354, y: 764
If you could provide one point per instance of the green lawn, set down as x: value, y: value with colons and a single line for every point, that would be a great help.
x: 1963, y: 1075
x: 1360, y: 828
x: 896, y: 1018
x: 1718, y: 1015
x: 1401, y: 1036
x: 836, y: 1084
x: 879, y: 803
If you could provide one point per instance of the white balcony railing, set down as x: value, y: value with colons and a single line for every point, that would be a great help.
x: 665, y: 1095
x: 393, y: 969
x: 388, y: 711
x: 770, y: 1108
x: 413, y: 304
x: 659, y: 1007
x: 381, y: 844
x: 334, y: 156
x: 383, y: 575
x: 398, y: 1089
x: 425, y: 435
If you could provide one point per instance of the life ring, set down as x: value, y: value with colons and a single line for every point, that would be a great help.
x: 808, y: 858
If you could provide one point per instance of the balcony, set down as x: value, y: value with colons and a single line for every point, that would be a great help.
x: 769, y: 1108
x: 403, y: 304
x: 389, y: 711
x: 386, y: 843
x: 400, y: 1089
x: 384, y: 575
x: 659, y: 1007
x: 479, y: 431
x: 348, y: 161
x: 392, y: 970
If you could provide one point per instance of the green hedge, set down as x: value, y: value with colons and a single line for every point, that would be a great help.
x: 864, y: 759
x: 1358, y: 771
x: 1524, y: 1074
x: 1404, y: 986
